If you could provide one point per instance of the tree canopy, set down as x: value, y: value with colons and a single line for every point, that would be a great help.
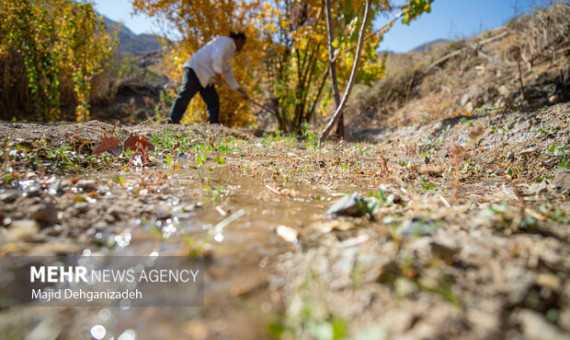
x: 287, y: 54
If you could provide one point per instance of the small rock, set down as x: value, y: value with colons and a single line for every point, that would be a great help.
x: 164, y: 214
x: 8, y: 196
x: 349, y: 205
x: 562, y: 181
x: 23, y: 230
x: 535, y: 327
x: 109, y: 218
x: 554, y: 99
x: 48, y: 213
x: 287, y: 233
x: 80, y: 208
x: 32, y: 191
x: 419, y: 226
x: 527, y: 152
x: 49, y: 328
x: 464, y: 99
x: 389, y: 270
x: 405, y: 287
x: 86, y: 184
x: 55, y: 188
x: 100, y: 224
x: 327, y: 227
x: 52, y: 231
x: 445, y: 249
x: 548, y: 281
x: 552, y: 260
x: 421, y: 248
x: 488, y: 325
x: 522, y: 284
x: 504, y: 91
x: 564, y: 319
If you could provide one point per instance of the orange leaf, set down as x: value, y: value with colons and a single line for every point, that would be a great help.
x: 110, y: 144
x: 131, y: 143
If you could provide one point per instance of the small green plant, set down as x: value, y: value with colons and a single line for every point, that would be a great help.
x: 548, y: 132
x: 311, y: 138
x: 464, y: 120
x: 554, y: 214
x: 487, y: 110
x: 426, y: 143
x: 499, y: 210
x: 560, y: 151
x: 165, y: 141
x: 201, y: 159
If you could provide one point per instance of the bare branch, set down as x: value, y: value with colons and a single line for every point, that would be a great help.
x: 352, y: 78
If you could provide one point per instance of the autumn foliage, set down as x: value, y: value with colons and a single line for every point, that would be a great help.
x: 286, y: 57
x: 50, y: 47
x: 292, y: 59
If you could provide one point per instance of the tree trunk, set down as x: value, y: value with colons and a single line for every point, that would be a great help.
x: 332, y: 67
x: 353, y: 72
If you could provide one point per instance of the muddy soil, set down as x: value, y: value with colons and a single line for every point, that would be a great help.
x: 458, y: 229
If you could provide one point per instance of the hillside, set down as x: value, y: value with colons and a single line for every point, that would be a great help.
x: 432, y: 45
x: 521, y: 66
x: 130, y: 42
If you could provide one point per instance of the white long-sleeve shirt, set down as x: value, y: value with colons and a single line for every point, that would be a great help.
x: 214, y: 58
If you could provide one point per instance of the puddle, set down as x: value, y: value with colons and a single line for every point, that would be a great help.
x: 241, y: 255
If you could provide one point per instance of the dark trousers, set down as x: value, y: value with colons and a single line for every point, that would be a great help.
x: 191, y: 85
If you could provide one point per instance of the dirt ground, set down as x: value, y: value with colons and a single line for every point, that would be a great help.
x: 458, y: 228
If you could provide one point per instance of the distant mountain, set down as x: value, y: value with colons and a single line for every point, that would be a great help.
x: 130, y: 42
x: 431, y: 45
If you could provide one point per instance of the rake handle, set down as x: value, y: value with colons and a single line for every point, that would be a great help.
x: 253, y: 101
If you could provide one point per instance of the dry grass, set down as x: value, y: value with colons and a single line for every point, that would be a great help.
x: 462, y: 76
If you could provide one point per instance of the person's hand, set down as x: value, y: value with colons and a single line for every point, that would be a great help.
x: 242, y: 93
x: 218, y: 79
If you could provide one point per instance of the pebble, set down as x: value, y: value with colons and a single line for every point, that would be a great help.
x: 86, y: 184
x: 287, y: 233
x: 535, y: 327
x: 419, y: 226
x: 23, y: 230
x: 9, y: 196
x: 47, y: 212
x: 348, y: 205
x: 80, y: 208
x: 404, y: 287
x: 548, y: 281
x: 562, y: 181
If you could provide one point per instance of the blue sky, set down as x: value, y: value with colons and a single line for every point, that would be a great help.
x: 449, y: 19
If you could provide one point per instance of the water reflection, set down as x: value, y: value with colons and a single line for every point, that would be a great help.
x: 98, y: 332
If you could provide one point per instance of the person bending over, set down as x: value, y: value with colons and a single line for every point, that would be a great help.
x: 204, y: 70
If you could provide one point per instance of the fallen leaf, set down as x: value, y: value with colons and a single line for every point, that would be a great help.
x: 110, y: 144
x: 131, y: 143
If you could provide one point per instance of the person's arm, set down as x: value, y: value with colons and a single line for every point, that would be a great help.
x: 229, y: 77
x: 221, y: 66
